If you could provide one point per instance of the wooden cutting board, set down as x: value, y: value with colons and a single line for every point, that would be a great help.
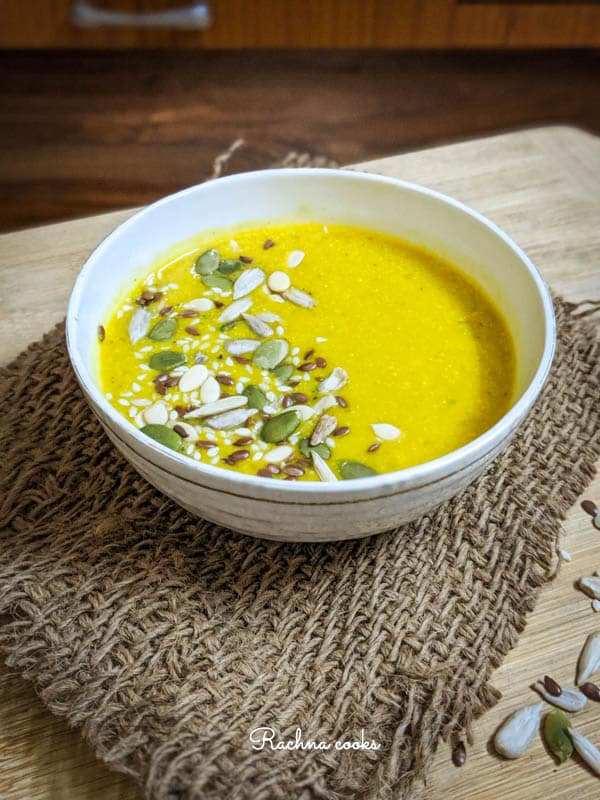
x: 543, y: 187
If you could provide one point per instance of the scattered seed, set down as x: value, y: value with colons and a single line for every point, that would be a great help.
x: 591, y: 690
x: 590, y: 507
x: 188, y: 313
x: 227, y: 266
x: 199, y: 304
x: 207, y: 263
x: 241, y: 360
x: 552, y: 686
x: 257, y: 326
x: 459, y: 754
x: 283, y: 372
x: 225, y: 380
x: 238, y: 455
x: 248, y: 281
x: 591, y: 586
x: 139, y: 325
x: 586, y: 750
x: 219, y: 304
x: 165, y: 310
x: 337, y: 379
x: 205, y: 444
x: 570, y: 699
x: 217, y: 281
x: 320, y: 362
x: 385, y: 431
x: 343, y: 430
x: 156, y: 414
x: 324, y: 427
x: 308, y: 366
x: 101, y: 333
x: 230, y: 419
x: 295, y: 258
x: 555, y: 735
x: 322, y: 469
x: 200, y: 358
x: 181, y: 431
x: 299, y: 298
x: 243, y: 441
x: 279, y: 454
x: 166, y: 360
x: 305, y: 448
x: 256, y: 397
x: 373, y: 447
x: 238, y: 347
x: 218, y: 407
x: 269, y: 355
x: 163, y: 435
x: 324, y: 403
x: 235, y: 310
x: 210, y: 391
x: 264, y: 473
x: 293, y: 470
x: 565, y: 555
x: 287, y: 401
x: 246, y: 259
x: 193, y: 378
x: 192, y: 330
x: 278, y: 428
x: 278, y: 282
x: 299, y: 397
x: 589, y: 658
x: 268, y: 244
x: 597, y: 521
x: 516, y: 733
x: 350, y: 470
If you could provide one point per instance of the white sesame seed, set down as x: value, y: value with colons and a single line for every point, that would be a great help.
x: 279, y: 329
x: 123, y: 402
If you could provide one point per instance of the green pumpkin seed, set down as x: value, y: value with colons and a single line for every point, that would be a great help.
x: 207, y: 263
x: 163, y: 435
x: 229, y: 265
x: 354, y: 469
x: 163, y: 330
x: 283, y: 372
x: 269, y: 354
x: 166, y: 360
x: 256, y: 397
x: 555, y: 735
x: 321, y: 449
x: 278, y: 428
x: 217, y: 282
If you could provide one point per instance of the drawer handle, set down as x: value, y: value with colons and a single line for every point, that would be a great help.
x: 195, y: 16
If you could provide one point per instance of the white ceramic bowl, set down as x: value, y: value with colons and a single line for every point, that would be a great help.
x: 311, y: 511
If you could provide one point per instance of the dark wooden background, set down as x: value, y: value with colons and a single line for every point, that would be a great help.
x: 82, y: 132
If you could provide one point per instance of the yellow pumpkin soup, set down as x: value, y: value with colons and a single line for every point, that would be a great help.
x: 308, y: 352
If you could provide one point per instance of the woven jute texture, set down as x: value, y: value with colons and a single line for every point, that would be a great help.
x: 168, y: 639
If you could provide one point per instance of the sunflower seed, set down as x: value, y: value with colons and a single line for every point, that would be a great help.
x: 591, y: 586
x: 139, y: 325
x: 385, y: 431
x: 299, y: 298
x: 235, y: 310
x: 238, y: 347
x: 279, y: 282
x: 516, y: 733
x: 163, y: 435
x: 156, y: 414
x: 218, y: 407
x: 306, y: 412
x: 199, y: 304
x: 248, y: 282
x: 269, y: 354
x: 193, y: 378
x: 350, y: 470
x: 322, y: 469
x: 230, y: 419
x: 210, y: 391
x: 278, y: 428
x: 257, y: 326
x: 337, y: 379
x: 324, y: 427
x: 324, y: 403
x: 555, y: 735
x: 207, y: 263
x: 589, y: 659
x: 268, y: 316
x: 279, y: 454
x: 295, y: 257
x: 586, y: 750
x: 570, y: 699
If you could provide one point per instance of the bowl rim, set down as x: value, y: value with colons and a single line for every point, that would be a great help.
x: 415, y: 475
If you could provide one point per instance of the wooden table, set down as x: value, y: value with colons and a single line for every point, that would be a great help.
x: 543, y: 187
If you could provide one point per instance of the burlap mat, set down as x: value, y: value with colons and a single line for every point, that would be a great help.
x: 168, y: 640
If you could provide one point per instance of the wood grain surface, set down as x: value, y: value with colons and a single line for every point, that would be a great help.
x: 82, y: 133
x: 543, y: 187
x: 316, y: 23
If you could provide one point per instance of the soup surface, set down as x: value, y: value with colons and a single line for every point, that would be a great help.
x: 308, y: 352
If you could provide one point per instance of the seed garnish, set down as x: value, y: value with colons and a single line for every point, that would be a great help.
x: 188, y: 313
x: 591, y: 690
x: 268, y: 244
x: 205, y: 444
x: 225, y: 380
x: 101, y: 333
x: 238, y: 455
x: 243, y: 441
x: 459, y: 754
x: 320, y: 362
x: 552, y: 686
x: 373, y: 447
x: 165, y: 310
x: 308, y: 366
x: 181, y: 431
x: 192, y: 330
x: 246, y: 259
x: 308, y: 354
x: 343, y: 430
x: 590, y: 507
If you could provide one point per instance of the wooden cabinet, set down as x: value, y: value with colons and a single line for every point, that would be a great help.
x: 297, y: 23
